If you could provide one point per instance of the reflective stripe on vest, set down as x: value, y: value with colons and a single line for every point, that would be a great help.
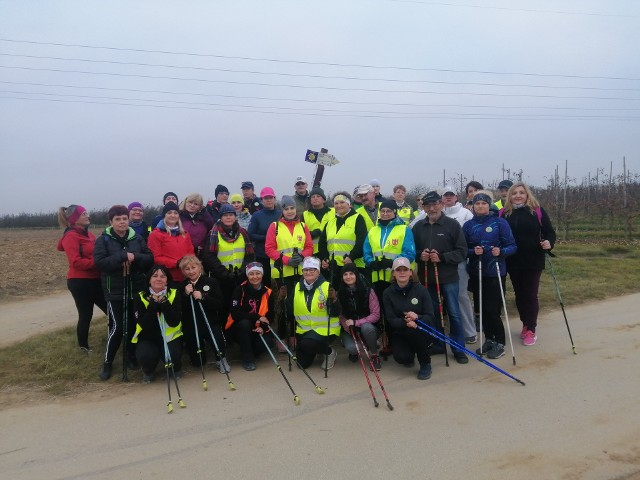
x: 170, y: 333
x: 341, y: 242
x: 405, y: 213
x: 285, y: 243
x: 313, y: 224
x: 317, y: 319
x: 391, y: 249
x: 231, y: 253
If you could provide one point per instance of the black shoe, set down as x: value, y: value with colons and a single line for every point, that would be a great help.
x: 460, y: 357
x: 148, y: 378
x: 249, y: 366
x: 425, y: 372
x: 353, y: 357
x: 486, y: 346
x: 105, y: 373
x: 375, y: 361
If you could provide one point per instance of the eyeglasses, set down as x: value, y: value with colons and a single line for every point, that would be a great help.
x: 307, y: 270
x: 137, y: 210
x: 84, y: 214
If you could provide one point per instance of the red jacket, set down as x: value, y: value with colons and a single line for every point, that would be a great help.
x: 271, y: 244
x: 78, y: 243
x: 168, y: 249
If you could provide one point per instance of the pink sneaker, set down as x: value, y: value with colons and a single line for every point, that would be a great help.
x: 523, y: 333
x: 529, y: 338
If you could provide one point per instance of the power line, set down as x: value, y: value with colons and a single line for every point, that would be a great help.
x: 347, y: 102
x: 324, y: 77
x: 511, y: 9
x: 308, y: 87
x: 314, y: 114
x: 325, y: 64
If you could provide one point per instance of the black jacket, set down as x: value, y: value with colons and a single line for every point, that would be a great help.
x: 110, y: 252
x: 446, y: 237
x: 528, y: 232
x: 413, y: 298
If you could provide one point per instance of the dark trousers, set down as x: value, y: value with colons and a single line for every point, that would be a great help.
x: 191, y: 340
x: 250, y: 344
x: 115, y: 308
x: 491, y: 307
x: 310, y: 344
x: 150, y: 352
x: 525, y: 286
x: 410, y: 344
x: 86, y: 293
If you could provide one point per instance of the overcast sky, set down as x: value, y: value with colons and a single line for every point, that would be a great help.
x: 185, y: 95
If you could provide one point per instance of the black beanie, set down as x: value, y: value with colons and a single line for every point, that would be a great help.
x: 390, y: 204
x: 168, y: 207
x: 169, y: 194
x: 221, y: 189
x: 318, y: 191
x: 350, y: 267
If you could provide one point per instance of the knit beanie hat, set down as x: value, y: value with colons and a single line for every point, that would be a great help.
x: 169, y: 194
x: 287, y: 201
x: 227, y: 208
x: 236, y: 197
x: 349, y: 267
x: 318, y: 191
x: 390, y: 204
x: 76, y: 212
x: 482, y: 197
x: 169, y: 207
x: 221, y: 189
x: 133, y: 205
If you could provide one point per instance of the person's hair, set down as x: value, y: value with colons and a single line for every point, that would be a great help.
x: 63, y: 215
x: 362, y: 290
x: 400, y: 187
x: 192, y: 197
x: 532, y: 201
x: 189, y: 260
x: 474, y: 184
x: 414, y: 276
x: 117, y: 210
x: 164, y: 269
x: 180, y: 227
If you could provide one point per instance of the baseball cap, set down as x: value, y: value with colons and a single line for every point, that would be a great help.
x: 448, y: 189
x: 300, y: 179
x: 505, y: 184
x: 311, y: 262
x: 267, y: 192
x: 431, y: 197
x: 364, y: 189
x: 401, y: 262
x: 247, y: 184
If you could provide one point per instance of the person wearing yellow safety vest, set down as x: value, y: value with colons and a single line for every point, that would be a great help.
x: 317, y: 216
x: 252, y: 311
x: 315, y: 310
x: 405, y: 212
x: 227, y: 253
x: 342, y: 239
x: 158, y: 320
x: 503, y: 190
x: 385, y: 242
x: 370, y: 206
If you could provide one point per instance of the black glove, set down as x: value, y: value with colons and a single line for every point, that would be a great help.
x: 375, y: 266
x: 278, y: 262
x: 386, y: 263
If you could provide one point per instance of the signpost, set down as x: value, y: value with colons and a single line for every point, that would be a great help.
x: 320, y: 159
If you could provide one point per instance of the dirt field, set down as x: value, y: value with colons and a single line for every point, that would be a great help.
x: 31, y: 265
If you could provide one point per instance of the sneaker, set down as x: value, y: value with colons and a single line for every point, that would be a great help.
x: 496, y: 352
x: 376, y: 362
x: 425, y: 372
x: 223, y: 365
x: 460, y: 357
x: 529, y: 338
x: 330, y: 359
x: 249, y: 366
x: 353, y: 357
x: 105, y: 373
x: 471, y: 340
x: 523, y: 333
x: 148, y: 378
x: 486, y: 347
x: 85, y: 350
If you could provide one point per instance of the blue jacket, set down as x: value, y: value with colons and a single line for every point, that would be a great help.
x: 488, y: 231
x: 258, y: 227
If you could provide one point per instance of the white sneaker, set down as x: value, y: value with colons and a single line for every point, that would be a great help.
x: 330, y: 359
x: 223, y: 365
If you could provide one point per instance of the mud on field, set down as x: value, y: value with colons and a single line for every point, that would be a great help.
x: 31, y: 265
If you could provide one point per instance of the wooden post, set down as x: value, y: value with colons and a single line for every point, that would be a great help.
x: 317, y: 177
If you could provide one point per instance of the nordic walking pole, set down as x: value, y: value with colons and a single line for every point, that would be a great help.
x: 506, y: 315
x: 435, y: 268
x: 555, y: 282
x: 326, y: 356
x: 296, y: 398
x: 293, y: 357
x: 215, y: 344
x: 433, y: 331
x: 364, y: 369
x: 125, y: 321
x: 480, y: 304
x: 195, y: 327
x: 168, y: 364
x: 375, y: 372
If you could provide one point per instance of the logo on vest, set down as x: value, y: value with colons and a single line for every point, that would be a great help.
x: 321, y: 304
x: 205, y: 288
x: 488, y: 230
x: 394, y: 242
x: 414, y: 301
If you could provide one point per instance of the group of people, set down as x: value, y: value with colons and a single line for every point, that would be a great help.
x: 361, y: 269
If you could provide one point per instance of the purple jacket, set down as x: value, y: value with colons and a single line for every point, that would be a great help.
x: 198, y: 226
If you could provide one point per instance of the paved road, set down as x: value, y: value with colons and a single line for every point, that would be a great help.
x: 578, y: 417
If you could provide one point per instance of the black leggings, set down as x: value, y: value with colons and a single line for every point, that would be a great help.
x: 491, y: 306
x: 86, y: 293
x: 150, y: 352
x: 249, y: 341
x: 114, y: 336
x: 409, y: 344
x: 310, y: 344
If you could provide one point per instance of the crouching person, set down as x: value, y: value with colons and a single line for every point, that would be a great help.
x: 158, y: 314
x: 315, y: 309
x: 406, y: 302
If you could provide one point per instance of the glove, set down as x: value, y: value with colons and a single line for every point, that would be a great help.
x: 278, y: 262
x: 386, y: 263
x: 375, y: 266
x: 295, y: 260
